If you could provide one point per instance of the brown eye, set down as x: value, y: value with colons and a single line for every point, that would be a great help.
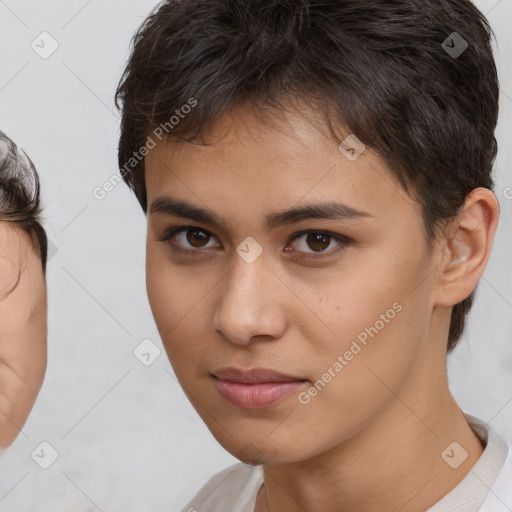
x: 189, y: 239
x: 197, y: 237
x: 311, y: 242
x: 318, y: 241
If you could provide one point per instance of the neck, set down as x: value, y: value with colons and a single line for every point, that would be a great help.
x: 393, y: 464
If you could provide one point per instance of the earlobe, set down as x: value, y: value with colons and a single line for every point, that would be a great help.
x: 467, y: 248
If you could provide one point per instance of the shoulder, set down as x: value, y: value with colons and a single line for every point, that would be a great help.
x: 499, y: 498
x: 233, y: 488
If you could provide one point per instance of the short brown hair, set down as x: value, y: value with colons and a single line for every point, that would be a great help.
x: 20, y: 194
x: 383, y: 68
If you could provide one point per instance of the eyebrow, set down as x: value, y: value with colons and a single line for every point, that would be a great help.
x: 323, y: 210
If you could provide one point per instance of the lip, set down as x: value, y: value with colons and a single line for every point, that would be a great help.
x: 256, y: 388
x: 253, y: 376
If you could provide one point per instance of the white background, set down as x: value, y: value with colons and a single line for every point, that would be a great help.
x: 128, y: 440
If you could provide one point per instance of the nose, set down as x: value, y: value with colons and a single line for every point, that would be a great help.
x: 250, y: 303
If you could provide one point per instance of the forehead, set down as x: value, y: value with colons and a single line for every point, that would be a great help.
x: 249, y: 164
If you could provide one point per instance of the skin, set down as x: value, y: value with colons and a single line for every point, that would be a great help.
x: 23, y: 329
x: 372, y: 438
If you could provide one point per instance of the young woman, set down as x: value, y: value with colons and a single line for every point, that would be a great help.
x: 317, y: 183
x: 23, y: 298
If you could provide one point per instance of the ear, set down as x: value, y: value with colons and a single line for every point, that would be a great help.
x: 467, y: 247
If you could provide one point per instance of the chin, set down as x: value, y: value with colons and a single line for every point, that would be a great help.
x: 262, y: 451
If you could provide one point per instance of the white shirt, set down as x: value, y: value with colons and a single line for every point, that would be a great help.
x: 486, y: 488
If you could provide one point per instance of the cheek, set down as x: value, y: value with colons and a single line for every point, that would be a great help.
x: 376, y: 298
x: 165, y: 288
x: 350, y: 307
x: 377, y: 321
x: 176, y: 303
x: 37, y: 334
x: 377, y: 358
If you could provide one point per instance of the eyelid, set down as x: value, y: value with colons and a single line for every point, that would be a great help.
x: 321, y: 231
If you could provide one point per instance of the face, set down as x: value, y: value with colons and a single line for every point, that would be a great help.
x: 23, y: 329
x: 338, y: 300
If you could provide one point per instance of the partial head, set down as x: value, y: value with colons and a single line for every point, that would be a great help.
x: 251, y: 119
x: 23, y: 298
x: 378, y: 69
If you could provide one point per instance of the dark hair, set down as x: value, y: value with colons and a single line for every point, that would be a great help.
x: 381, y: 69
x: 20, y: 194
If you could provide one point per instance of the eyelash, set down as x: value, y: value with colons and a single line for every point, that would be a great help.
x: 345, y: 242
